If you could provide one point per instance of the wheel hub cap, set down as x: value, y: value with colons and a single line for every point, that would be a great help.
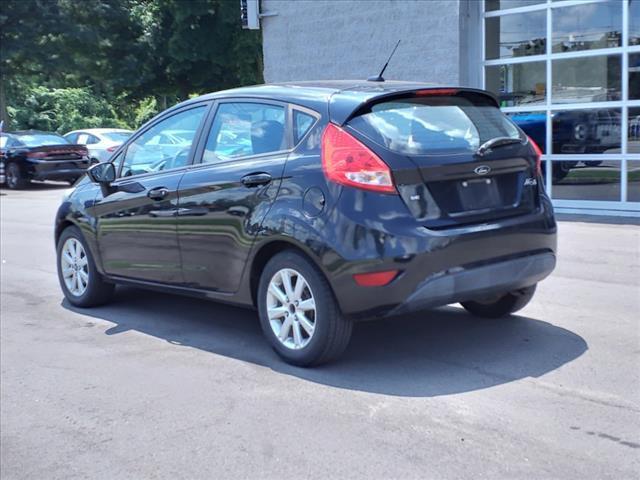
x: 291, y: 309
x: 75, y: 267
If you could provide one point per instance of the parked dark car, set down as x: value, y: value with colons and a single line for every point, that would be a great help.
x: 318, y: 204
x: 34, y: 155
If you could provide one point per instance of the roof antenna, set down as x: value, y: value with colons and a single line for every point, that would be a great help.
x: 379, y: 77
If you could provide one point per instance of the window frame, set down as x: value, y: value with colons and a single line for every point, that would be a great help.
x: 288, y: 133
x: 624, y: 104
x: 207, y: 105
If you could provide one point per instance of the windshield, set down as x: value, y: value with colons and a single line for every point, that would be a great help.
x: 120, y: 137
x: 41, y: 139
x: 435, y: 124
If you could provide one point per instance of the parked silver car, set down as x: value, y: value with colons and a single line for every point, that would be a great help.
x: 101, y: 142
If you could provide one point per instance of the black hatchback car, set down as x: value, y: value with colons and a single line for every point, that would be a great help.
x: 318, y: 204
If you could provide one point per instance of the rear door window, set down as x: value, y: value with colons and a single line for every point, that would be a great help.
x: 243, y: 129
x: 434, y: 124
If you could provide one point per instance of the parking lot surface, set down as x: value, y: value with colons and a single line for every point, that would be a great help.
x: 161, y: 386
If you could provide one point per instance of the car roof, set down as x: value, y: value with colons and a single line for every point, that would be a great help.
x: 98, y: 131
x: 33, y: 132
x: 340, y: 97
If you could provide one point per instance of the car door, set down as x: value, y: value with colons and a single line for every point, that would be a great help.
x: 136, y: 220
x: 224, y: 197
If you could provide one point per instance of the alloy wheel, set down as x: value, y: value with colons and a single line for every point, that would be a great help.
x: 75, y: 267
x: 291, y: 308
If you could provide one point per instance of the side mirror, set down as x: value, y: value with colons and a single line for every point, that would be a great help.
x: 102, y: 173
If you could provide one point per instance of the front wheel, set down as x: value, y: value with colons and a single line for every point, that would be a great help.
x: 298, y: 312
x: 79, y: 279
x: 502, y: 305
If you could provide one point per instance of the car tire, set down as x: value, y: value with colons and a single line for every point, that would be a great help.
x: 289, y: 333
x: 81, y: 283
x: 502, y: 306
x: 15, y: 180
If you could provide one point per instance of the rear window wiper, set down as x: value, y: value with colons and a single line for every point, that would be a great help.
x: 497, y: 142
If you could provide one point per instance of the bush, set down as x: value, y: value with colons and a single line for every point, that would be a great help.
x: 62, y: 110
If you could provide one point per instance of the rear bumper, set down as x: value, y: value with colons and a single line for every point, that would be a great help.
x: 462, y: 284
x: 57, y: 170
x: 445, y: 266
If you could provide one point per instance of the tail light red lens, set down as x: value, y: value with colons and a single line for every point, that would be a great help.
x: 375, y: 279
x: 538, y: 153
x: 112, y: 149
x: 347, y: 161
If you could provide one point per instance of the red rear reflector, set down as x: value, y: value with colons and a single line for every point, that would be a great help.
x: 347, y: 161
x: 375, y: 279
x: 538, y: 153
x: 436, y: 91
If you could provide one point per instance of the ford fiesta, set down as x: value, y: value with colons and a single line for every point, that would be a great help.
x: 318, y: 204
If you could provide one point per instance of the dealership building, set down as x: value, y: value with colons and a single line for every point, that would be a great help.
x: 566, y: 71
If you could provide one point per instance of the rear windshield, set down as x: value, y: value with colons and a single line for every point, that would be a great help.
x: 434, y: 124
x: 117, y: 136
x: 41, y: 139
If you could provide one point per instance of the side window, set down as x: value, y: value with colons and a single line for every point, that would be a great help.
x: 165, y: 145
x: 242, y: 129
x: 82, y: 139
x: 302, y: 122
x: 72, y: 137
x: 91, y: 140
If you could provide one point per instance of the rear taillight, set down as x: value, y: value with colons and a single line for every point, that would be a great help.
x: 538, y: 153
x: 345, y: 160
x: 112, y: 149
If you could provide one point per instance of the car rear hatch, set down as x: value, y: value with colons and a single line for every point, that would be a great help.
x: 455, y: 158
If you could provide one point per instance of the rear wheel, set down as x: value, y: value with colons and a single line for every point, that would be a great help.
x: 80, y: 281
x: 298, y: 312
x: 502, y: 305
x: 14, y: 177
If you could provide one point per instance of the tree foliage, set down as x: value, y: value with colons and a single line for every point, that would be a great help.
x: 134, y: 56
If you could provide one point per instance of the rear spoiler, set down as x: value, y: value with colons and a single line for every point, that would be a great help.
x: 345, y: 105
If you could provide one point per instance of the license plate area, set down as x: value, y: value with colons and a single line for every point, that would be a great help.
x: 478, y: 194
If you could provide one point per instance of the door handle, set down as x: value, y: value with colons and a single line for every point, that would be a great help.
x: 158, y: 193
x: 255, y: 179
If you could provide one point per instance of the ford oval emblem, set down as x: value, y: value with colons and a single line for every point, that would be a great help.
x: 482, y: 169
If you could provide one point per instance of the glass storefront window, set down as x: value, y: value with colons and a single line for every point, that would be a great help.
x: 534, y: 124
x: 587, y: 180
x: 491, y: 5
x: 587, y: 79
x: 518, y: 84
x: 516, y: 35
x: 587, y: 27
x: 634, y: 22
x: 634, y: 76
x: 572, y: 90
x: 633, y: 180
x: 633, y: 140
x: 586, y: 131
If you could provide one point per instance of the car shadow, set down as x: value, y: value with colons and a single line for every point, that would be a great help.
x: 427, y: 354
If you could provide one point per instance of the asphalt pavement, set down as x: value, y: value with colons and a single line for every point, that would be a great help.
x: 162, y: 386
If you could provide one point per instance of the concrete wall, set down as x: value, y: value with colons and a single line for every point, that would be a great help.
x: 335, y: 39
